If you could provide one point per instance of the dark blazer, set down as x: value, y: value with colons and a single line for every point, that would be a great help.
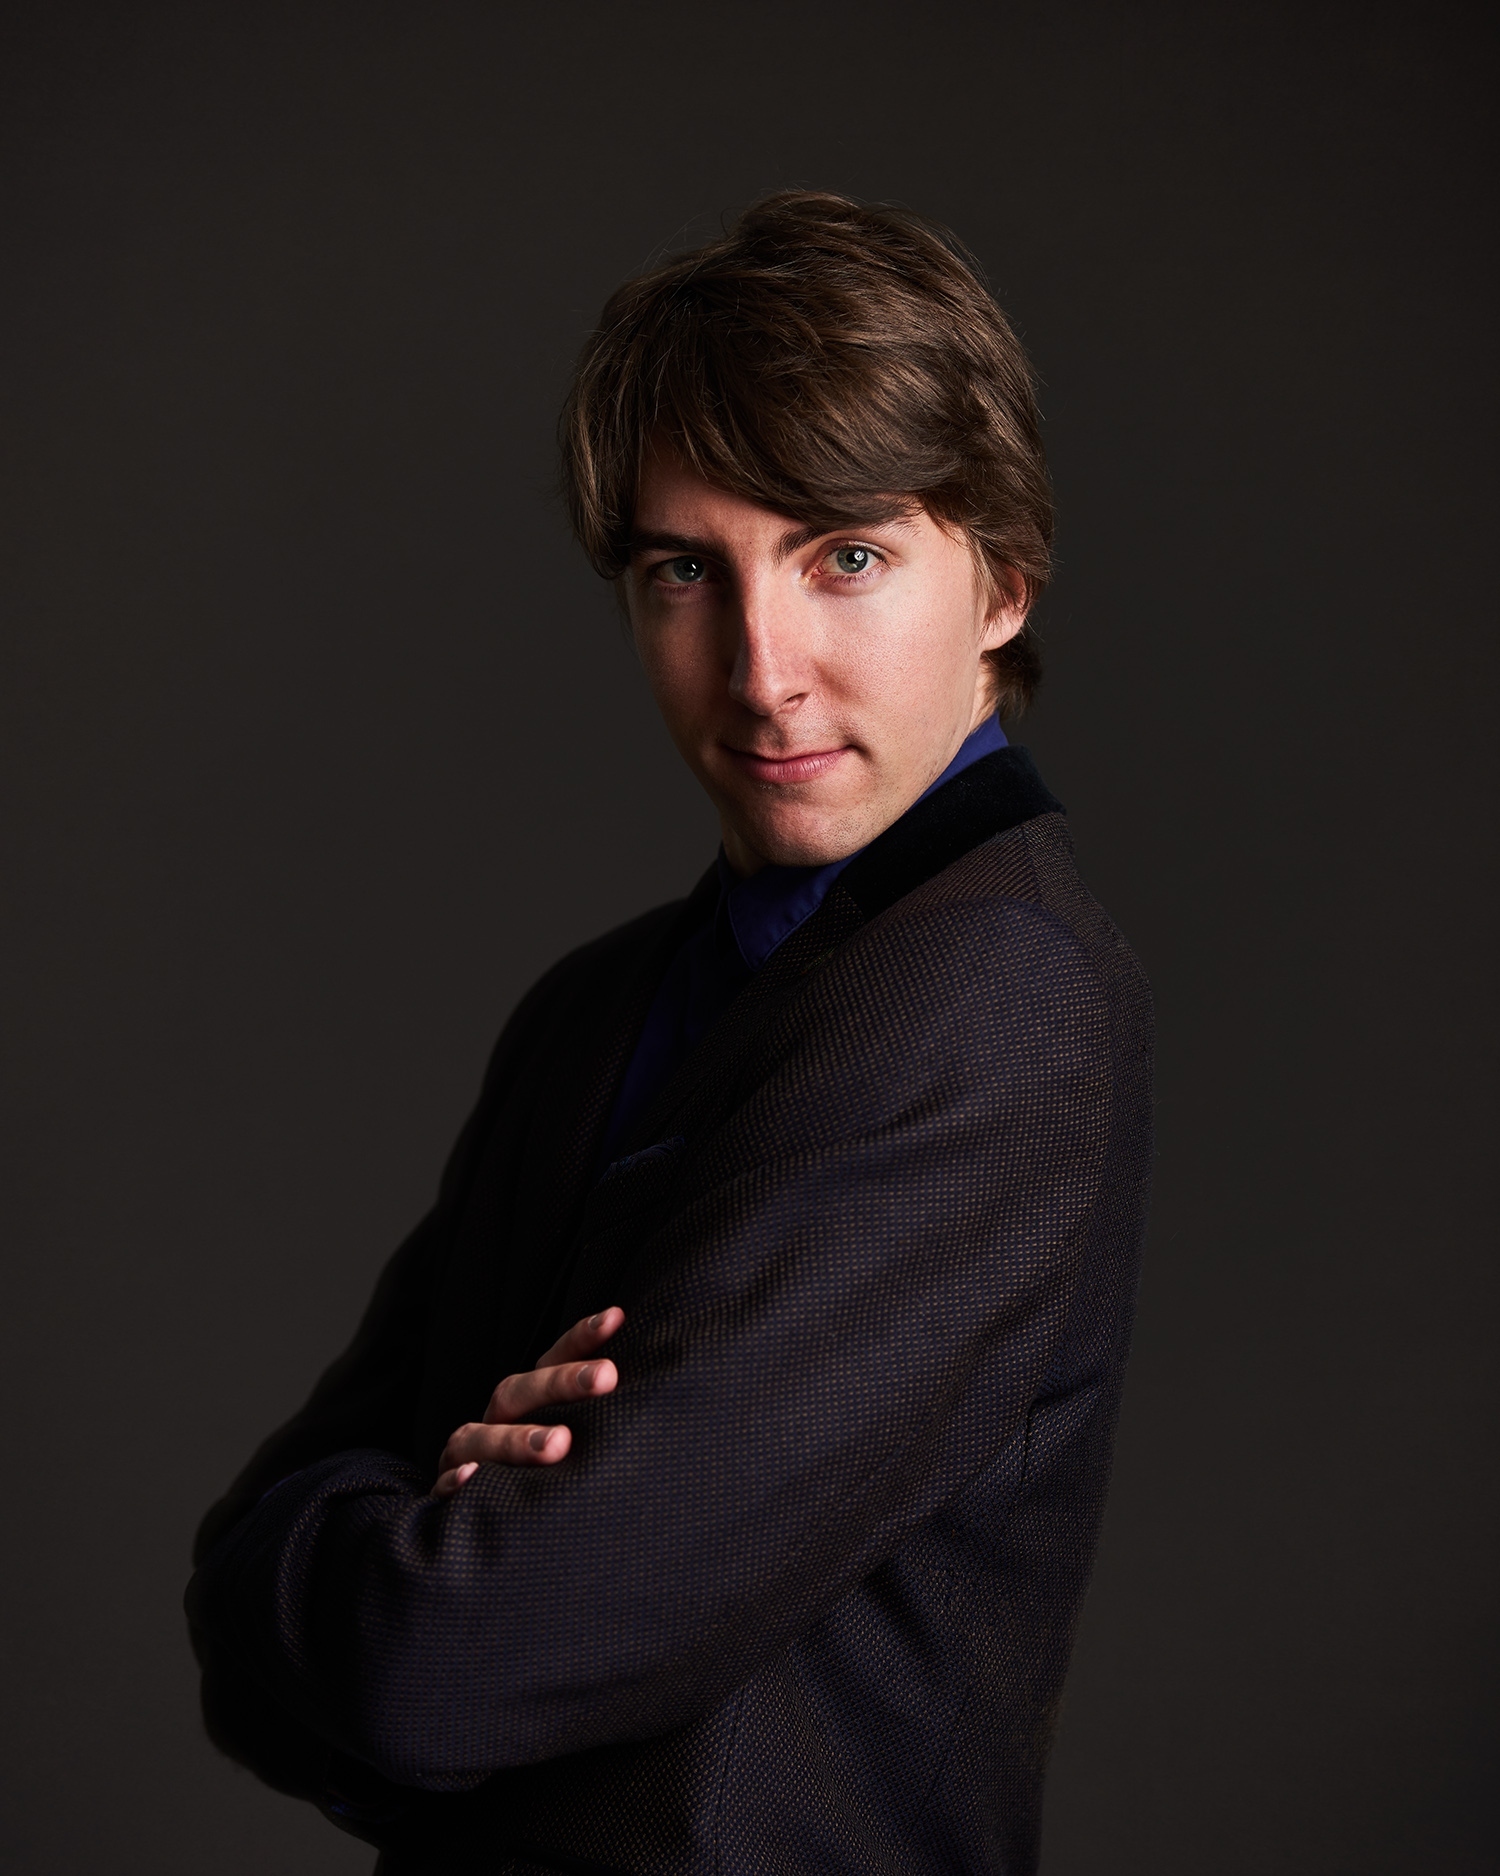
x: 802, y: 1596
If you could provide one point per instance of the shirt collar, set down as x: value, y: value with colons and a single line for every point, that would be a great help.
x: 765, y: 909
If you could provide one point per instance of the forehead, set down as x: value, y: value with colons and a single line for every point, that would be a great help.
x: 672, y: 497
x: 675, y: 506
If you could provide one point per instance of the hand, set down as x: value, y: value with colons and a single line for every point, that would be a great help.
x: 506, y: 1437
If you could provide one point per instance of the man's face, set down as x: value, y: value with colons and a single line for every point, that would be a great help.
x: 814, y: 683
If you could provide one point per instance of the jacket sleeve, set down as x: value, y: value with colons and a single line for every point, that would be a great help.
x: 364, y: 1399
x: 842, y: 1314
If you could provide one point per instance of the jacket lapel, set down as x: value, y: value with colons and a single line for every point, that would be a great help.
x: 511, y: 1250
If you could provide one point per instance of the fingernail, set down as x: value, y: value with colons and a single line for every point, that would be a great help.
x: 465, y: 1473
x: 594, y: 1321
x: 588, y: 1374
x: 539, y: 1439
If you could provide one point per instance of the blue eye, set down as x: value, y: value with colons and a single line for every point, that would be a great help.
x: 852, y: 559
x: 685, y: 570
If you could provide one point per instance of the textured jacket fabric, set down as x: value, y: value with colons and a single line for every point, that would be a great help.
x: 801, y: 1597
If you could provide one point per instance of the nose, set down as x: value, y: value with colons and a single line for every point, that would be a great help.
x: 771, y: 673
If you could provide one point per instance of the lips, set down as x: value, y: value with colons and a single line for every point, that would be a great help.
x: 806, y: 767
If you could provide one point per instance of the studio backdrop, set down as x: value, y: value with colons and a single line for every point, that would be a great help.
x: 321, y: 741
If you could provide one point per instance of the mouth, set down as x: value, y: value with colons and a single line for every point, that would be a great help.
x: 806, y: 767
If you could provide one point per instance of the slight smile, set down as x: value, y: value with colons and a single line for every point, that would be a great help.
x: 804, y: 768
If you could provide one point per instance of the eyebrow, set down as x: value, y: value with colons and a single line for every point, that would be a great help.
x: 793, y: 541
x: 668, y: 543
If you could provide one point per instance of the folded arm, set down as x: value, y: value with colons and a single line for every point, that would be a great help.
x: 824, y: 1340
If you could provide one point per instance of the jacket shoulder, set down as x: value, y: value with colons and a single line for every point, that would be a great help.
x: 1028, y: 869
x: 595, y: 967
x: 612, y: 950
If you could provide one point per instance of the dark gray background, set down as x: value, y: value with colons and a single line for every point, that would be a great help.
x: 320, y: 741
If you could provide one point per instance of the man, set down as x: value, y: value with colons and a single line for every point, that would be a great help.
x: 843, y: 1159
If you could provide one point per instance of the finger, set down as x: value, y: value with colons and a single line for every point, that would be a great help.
x: 505, y: 1446
x: 584, y: 1337
x: 450, y: 1481
x: 523, y: 1396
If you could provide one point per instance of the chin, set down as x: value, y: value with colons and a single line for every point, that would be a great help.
x: 810, y: 840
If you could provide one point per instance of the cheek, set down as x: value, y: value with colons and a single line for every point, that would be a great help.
x: 680, y: 669
x: 923, y: 652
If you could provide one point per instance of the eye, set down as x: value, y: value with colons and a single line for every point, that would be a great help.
x: 685, y: 570
x: 851, y: 560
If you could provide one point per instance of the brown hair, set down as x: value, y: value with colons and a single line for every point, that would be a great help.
x: 836, y: 363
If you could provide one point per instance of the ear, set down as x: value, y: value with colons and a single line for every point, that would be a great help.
x: 1006, y: 614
